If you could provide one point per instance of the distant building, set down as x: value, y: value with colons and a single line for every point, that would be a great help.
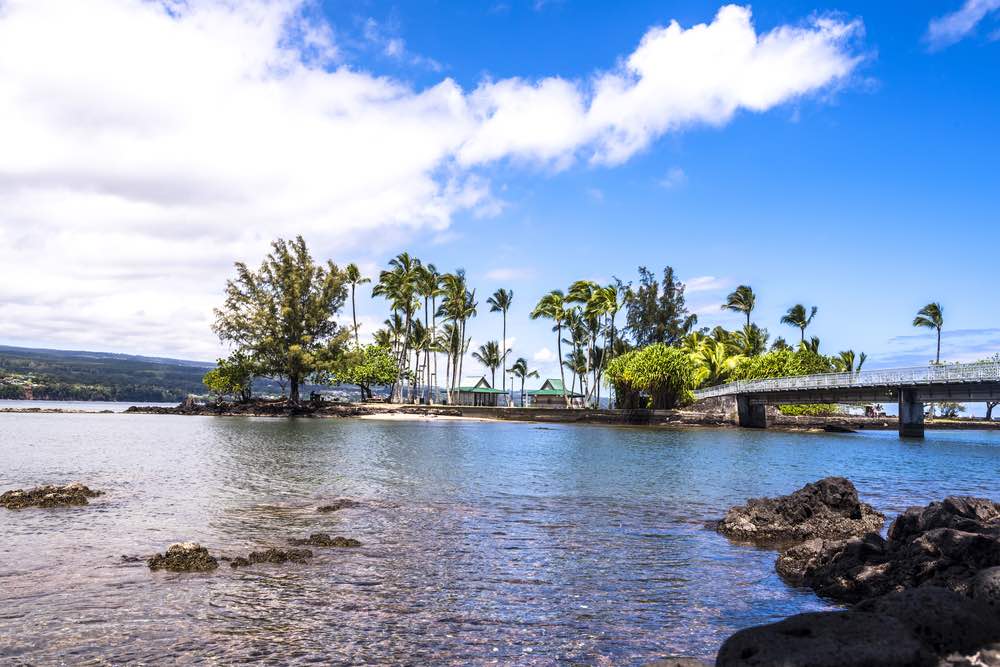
x: 479, y: 393
x: 550, y: 395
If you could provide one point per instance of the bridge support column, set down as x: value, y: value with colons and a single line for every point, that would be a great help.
x: 911, y: 415
x: 750, y: 415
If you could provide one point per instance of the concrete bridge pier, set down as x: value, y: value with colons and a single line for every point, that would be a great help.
x: 750, y: 415
x: 911, y: 415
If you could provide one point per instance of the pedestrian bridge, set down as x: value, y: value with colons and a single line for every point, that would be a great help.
x: 909, y: 387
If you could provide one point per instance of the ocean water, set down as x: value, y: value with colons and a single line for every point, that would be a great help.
x: 483, y: 543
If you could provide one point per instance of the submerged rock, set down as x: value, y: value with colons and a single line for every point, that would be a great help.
x: 274, y: 555
x: 49, y: 496
x: 184, y: 557
x: 926, y: 626
x: 828, y: 508
x: 339, y: 504
x: 324, y: 540
x: 944, y: 544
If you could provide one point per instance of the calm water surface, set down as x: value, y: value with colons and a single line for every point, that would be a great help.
x: 483, y: 543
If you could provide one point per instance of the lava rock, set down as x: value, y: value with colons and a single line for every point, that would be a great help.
x: 184, y: 557
x: 49, y: 496
x: 828, y: 509
x: 944, y: 544
x: 827, y: 639
x: 337, y: 505
x: 986, y: 587
x: 239, y: 561
x: 679, y: 661
x: 324, y: 540
x: 279, y: 556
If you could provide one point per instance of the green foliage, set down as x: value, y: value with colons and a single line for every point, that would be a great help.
x: 283, y: 314
x: 232, y: 377
x: 655, y: 312
x: 656, y: 376
x: 810, y: 409
x: 781, y: 363
x: 366, y: 367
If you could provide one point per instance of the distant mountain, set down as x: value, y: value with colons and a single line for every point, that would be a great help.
x: 81, y: 375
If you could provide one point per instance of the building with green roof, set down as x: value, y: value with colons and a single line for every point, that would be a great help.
x: 550, y: 395
x: 479, y: 393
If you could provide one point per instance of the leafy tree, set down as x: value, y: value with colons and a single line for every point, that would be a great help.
x: 232, y: 377
x: 781, y: 363
x: 657, y: 376
x: 520, y: 370
x: 780, y: 344
x: 354, y: 278
x: 714, y: 363
x: 552, y: 306
x: 500, y: 302
x: 741, y: 300
x: 371, y: 365
x: 283, y: 314
x: 796, y: 317
x: 749, y: 341
x: 656, y: 312
x: 931, y: 316
x: 845, y: 361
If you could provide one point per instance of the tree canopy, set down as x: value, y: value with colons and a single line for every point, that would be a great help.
x: 655, y: 312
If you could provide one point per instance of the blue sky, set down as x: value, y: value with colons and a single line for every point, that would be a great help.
x: 133, y: 186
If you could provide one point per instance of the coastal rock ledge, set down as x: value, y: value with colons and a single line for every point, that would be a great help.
x: 827, y: 509
x: 954, y: 544
x: 184, y: 557
x: 48, y: 496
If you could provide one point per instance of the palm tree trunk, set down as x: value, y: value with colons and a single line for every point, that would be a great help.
x: 937, y: 359
x: 503, y: 352
x: 354, y: 316
x: 562, y: 371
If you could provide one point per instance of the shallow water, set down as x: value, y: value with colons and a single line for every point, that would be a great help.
x: 483, y: 542
x: 81, y: 406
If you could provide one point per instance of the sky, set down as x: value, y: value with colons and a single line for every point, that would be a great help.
x: 840, y: 154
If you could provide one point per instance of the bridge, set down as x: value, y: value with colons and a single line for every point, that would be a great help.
x: 909, y: 387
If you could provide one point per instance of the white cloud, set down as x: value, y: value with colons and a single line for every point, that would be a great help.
x: 950, y: 28
x: 149, y: 144
x: 509, y: 273
x: 705, y: 284
x: 674, y: 178
x: 544, y: 356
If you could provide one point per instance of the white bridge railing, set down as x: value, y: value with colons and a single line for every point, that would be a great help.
x: 987, y: 371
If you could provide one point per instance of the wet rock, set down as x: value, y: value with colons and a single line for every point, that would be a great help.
x: 324, y: 540
x: 184, y: 557
x: 49, y: 496
x: 827, y: 639
x: 986, y: 587
x: 828, y: 509
x: 340, y: 504
x: 239, y: 561
x: 944, y: 544
x: 279, y: 556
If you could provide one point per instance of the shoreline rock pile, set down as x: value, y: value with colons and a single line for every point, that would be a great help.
x: 273, y: 556
x: 49, y: 496
x: 828, y: 509
x: 339, y: 504
x: 324, y: 540
x: 929, y: 594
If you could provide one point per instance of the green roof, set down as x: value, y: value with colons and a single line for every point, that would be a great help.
x: 551, y: 392
x: 481, y: 390
x: 554, y: 383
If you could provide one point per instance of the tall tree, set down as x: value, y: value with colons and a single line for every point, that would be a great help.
x: 656, y: 312
x: 398, y: 286
x: 848, y: 362
x: 354, y: 278
x: 750, y: 341
x: 427, y: 286
x: 931, y: 316
x: 500, y: 302
x: 552, y: 306
x: 796, y: 317
x: 520, y: 370
x: 489, y: 355
x: 283, y: 313
x: 741, y: 300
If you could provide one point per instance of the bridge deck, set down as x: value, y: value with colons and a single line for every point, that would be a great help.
x: 970, y: 382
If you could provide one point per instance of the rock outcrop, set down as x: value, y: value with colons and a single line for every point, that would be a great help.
x: 273, y: 555
x: 184, y: 557
x: 324, y: 540
x: 339, y: 504
x: 828, y: 509
x: 945, y: 544
x: 49, y: 496
x: 925, y: 626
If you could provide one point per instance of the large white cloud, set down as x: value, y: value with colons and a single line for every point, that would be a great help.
x: 145, y: 145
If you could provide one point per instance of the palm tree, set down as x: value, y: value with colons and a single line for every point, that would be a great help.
x: 552, y: 306
x: 458, y: 304
x: 398, y: 286
x: 520, y: 370
x: 811, y: 345
x: 931, y: 316
x: 500, y: 303
x: 715, y: 363
x: 796, y: 317
x: 489, y: 355
x: 354, y: 278
x: 779, y: 344
x: 741, y: 300
x: 844, y: 362
x: 750, y: 341
x: 426, y: 285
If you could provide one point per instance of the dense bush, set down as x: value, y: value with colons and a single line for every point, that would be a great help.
x: 656, y: 376
x: 787, y: 363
